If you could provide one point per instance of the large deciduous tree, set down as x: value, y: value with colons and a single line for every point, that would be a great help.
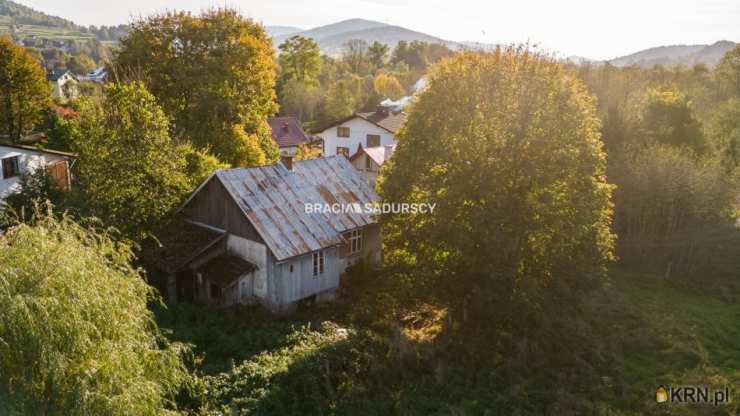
x: 210, y: 73
x: 668, y: 118
x: 24, y: 92
x: 300, y: 59
x: 507, y: 146
x: 76, y: 335
x: 132, y: 172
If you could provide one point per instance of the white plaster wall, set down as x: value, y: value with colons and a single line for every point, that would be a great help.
x: 28, y: 162
x: 255, y: 253
x: 358, y: 131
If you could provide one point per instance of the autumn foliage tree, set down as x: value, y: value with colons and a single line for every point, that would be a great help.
x: 507, y: 145
x: 210, y: 73
x: 24, y: 92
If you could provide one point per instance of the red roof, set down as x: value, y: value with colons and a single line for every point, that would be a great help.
x: 287, y: 131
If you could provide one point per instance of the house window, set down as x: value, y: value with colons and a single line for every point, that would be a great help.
x: 344, y: 151
x: 342, y: 131
x: 290, y: 268
x: 373, y: 140
x: 368, y: 163
x: 354, y: 241
x: 10, y: 167
x: 318, y: 263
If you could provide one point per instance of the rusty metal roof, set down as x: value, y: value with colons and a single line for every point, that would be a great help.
x: 274, y: 198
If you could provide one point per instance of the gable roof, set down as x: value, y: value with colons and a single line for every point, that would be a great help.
x: 274, y: 201
x: 376, y: 153
x: 37, y: 149
x: 390, y: 120
x: 57, y: 73
x: 287, y: 131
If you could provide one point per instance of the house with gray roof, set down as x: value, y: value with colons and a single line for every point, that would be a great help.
x: 287, y: 231
x: 63, y: 84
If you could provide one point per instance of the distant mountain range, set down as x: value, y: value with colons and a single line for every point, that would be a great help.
x: 332, y: 38
x: 25, y: 22
x: 686, y: 55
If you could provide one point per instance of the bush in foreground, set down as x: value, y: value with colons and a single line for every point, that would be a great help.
x: 76, y: 336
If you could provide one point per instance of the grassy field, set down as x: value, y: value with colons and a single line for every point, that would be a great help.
x: 675, y: 334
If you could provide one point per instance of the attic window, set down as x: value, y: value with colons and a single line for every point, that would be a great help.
x: 354, y: 241
x: 318, y: 263
x: 373, y: 140
x: 342, y: 131
x: 344, y: 151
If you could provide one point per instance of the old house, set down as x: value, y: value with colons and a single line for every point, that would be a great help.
x: 17, y: 160
x: 373, y: 129
x: 63, y: 84
x: 288, y: 134
x: 369, y: 160
x: 276, y: 234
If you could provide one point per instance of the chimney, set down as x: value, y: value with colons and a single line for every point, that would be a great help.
x: 382, y: 110
x: 287, y: 162
x: 388, y: 151
x: 285, y: 126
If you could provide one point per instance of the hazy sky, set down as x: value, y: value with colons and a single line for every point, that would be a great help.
x: 590, y: 28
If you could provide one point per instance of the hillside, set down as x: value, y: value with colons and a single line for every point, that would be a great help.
x: 686, y: 55
x: 37, y: 29
x: 23, y: 15
x: 332, y: 38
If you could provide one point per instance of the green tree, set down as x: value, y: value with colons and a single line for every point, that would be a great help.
x: 132, y: 172
x: 209, y: 73
x: 344, y: 97
x: 300, y: 59
x: 724, y: 132
x: 507, y: 146
x: 378, y: 54
x: 299, y: 99
x: 668, y: 118
x: 200, y: 164
x: 667, y: 201
x: 24, y: 92
x: 355, y: 56
x: 80, y: 64
x: 76, y: 334
x: 728, y: 70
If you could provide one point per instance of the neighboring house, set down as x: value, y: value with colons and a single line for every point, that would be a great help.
x: 373, y: 129
x: 97, y: 75
x: 63, y: 84
x: 16, y: 160
x: 369, y: 160
x: 265, y: 246
x: 288, y: 134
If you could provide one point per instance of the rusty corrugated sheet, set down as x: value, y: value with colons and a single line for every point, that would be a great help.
x: 273, y: 199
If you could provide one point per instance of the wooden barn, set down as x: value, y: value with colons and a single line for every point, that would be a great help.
x: 258, y: 238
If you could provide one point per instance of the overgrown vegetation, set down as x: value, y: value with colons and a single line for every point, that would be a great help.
x: 76, y: 336
x: 517, y: 296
